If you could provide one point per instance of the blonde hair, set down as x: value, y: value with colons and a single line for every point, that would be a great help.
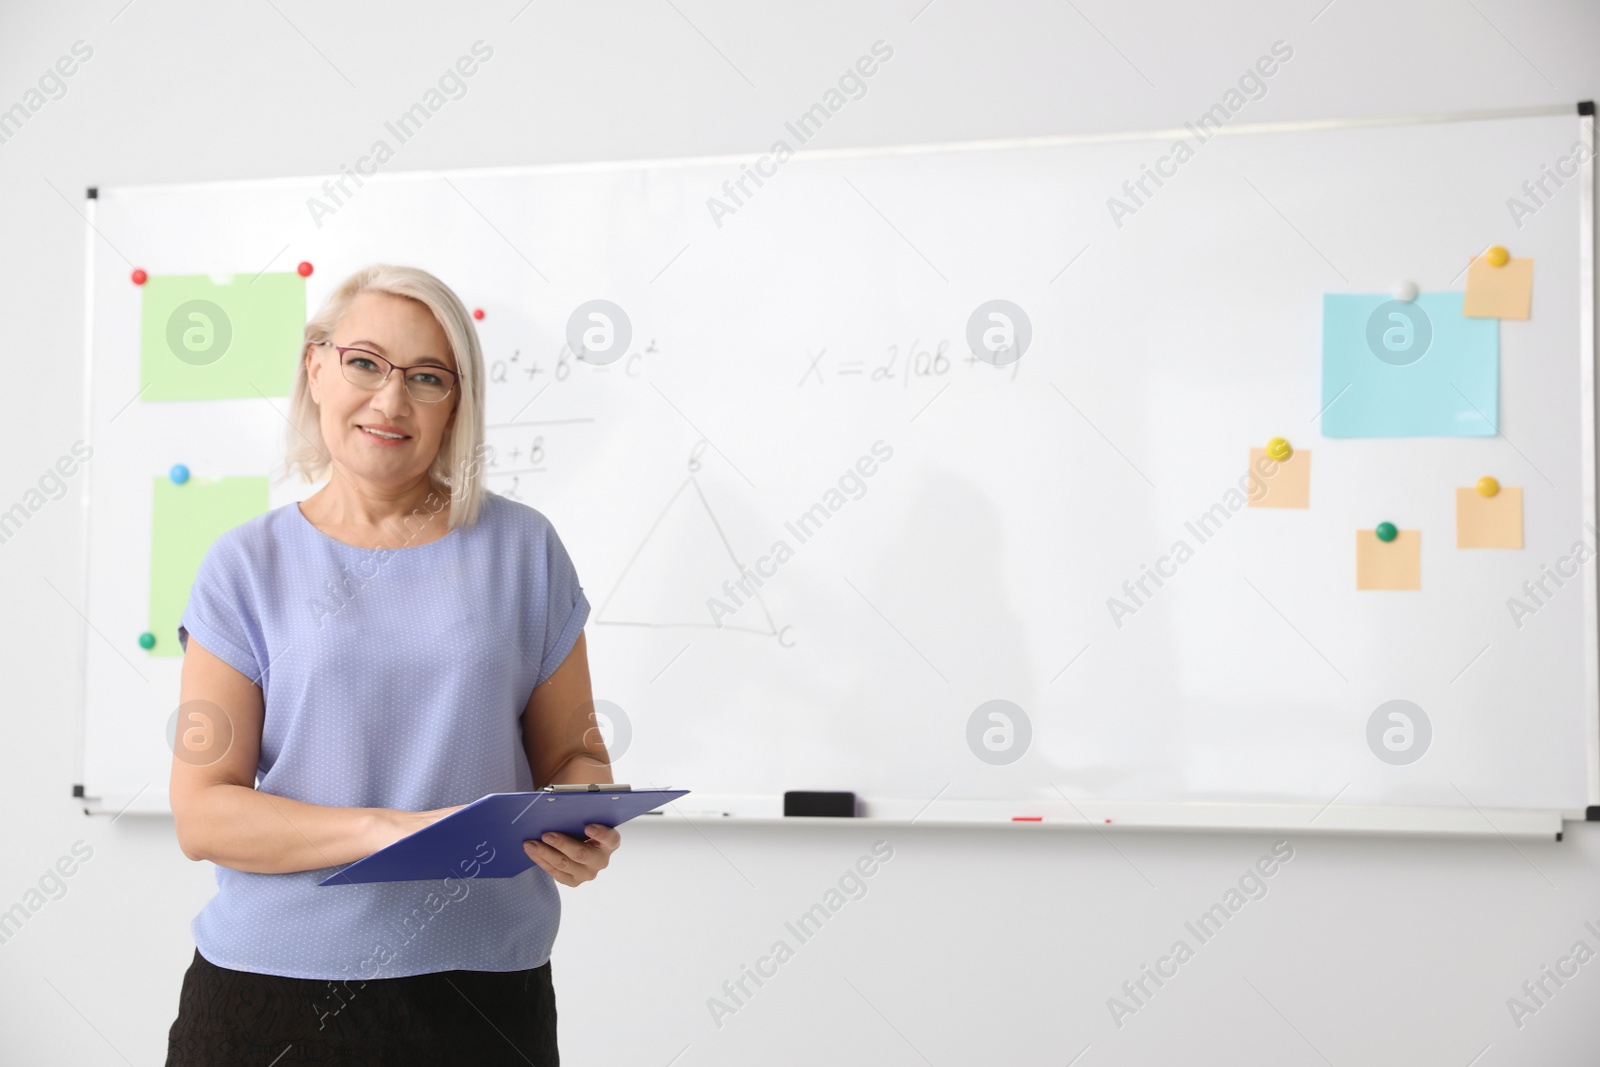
x: 457, y: 465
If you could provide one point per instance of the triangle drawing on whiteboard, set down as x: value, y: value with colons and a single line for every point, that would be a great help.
x: 683, y: 562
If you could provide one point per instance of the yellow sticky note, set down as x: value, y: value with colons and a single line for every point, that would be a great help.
x: 1499, y: 292
x: 1393, y: 564
x: 1288, y: 481
x: 1489, y: 521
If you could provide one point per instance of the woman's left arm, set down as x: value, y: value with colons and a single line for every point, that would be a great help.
x: 564, y: 746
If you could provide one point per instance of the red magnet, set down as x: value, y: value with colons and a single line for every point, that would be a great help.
x: 477, y: 313
x: 139, y: 276
x: 304, y: 268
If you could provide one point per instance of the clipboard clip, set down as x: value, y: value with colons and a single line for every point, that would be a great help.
x: 592, y: 787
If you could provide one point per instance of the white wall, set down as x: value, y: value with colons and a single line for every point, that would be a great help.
x: 992, y: 946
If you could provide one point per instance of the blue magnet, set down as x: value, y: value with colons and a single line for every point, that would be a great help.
x: 179, y: 474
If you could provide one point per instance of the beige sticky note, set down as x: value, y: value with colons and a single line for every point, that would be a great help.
x: 1288, y: 484
x: 1499, y: 292
x: 1393, y: 564
x: 1489, y: 521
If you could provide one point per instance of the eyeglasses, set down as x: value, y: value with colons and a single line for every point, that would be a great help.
x: 426, y: 382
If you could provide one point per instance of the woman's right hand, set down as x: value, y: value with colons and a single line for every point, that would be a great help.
x: 392, y: 824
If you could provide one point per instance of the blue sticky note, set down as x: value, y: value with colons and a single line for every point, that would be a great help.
x: 1396, y: 369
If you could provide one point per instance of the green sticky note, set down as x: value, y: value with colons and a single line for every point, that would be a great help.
x: 185, y: 520
x: 200, y: 340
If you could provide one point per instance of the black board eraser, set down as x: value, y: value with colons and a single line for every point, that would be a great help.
x: 837, y: 805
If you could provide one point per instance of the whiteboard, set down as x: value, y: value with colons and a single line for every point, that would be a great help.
x: 775, y: 345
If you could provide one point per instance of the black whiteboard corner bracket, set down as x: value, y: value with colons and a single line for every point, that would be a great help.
x: 1586, y: 107
x: 1592, y: 813
x: 77, y: 791
x: 94, y: 191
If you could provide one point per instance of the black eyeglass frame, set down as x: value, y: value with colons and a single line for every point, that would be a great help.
x: 455, y: 379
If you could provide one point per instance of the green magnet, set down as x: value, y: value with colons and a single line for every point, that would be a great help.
x: 1386, y: 531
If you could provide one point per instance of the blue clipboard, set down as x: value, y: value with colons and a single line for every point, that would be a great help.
x: 484, y: 839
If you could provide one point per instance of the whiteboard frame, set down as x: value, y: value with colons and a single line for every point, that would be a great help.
x: 1586, y: 362
x: 81, y: 726
x: 1108, y: 816
x: 1083, y: 814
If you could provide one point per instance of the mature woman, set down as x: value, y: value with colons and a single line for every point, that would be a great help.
x: 399, y: 644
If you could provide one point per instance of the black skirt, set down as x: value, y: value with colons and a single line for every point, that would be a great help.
x: 481, y: 1018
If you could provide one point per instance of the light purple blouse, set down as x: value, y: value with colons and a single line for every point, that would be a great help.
x: 392, y: 678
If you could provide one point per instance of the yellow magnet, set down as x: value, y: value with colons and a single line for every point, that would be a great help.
x: 1279, y: 449
x: 1496, y: 256
x: 1487, y: 486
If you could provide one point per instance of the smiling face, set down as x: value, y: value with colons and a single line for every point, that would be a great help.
x: 383, y: 436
